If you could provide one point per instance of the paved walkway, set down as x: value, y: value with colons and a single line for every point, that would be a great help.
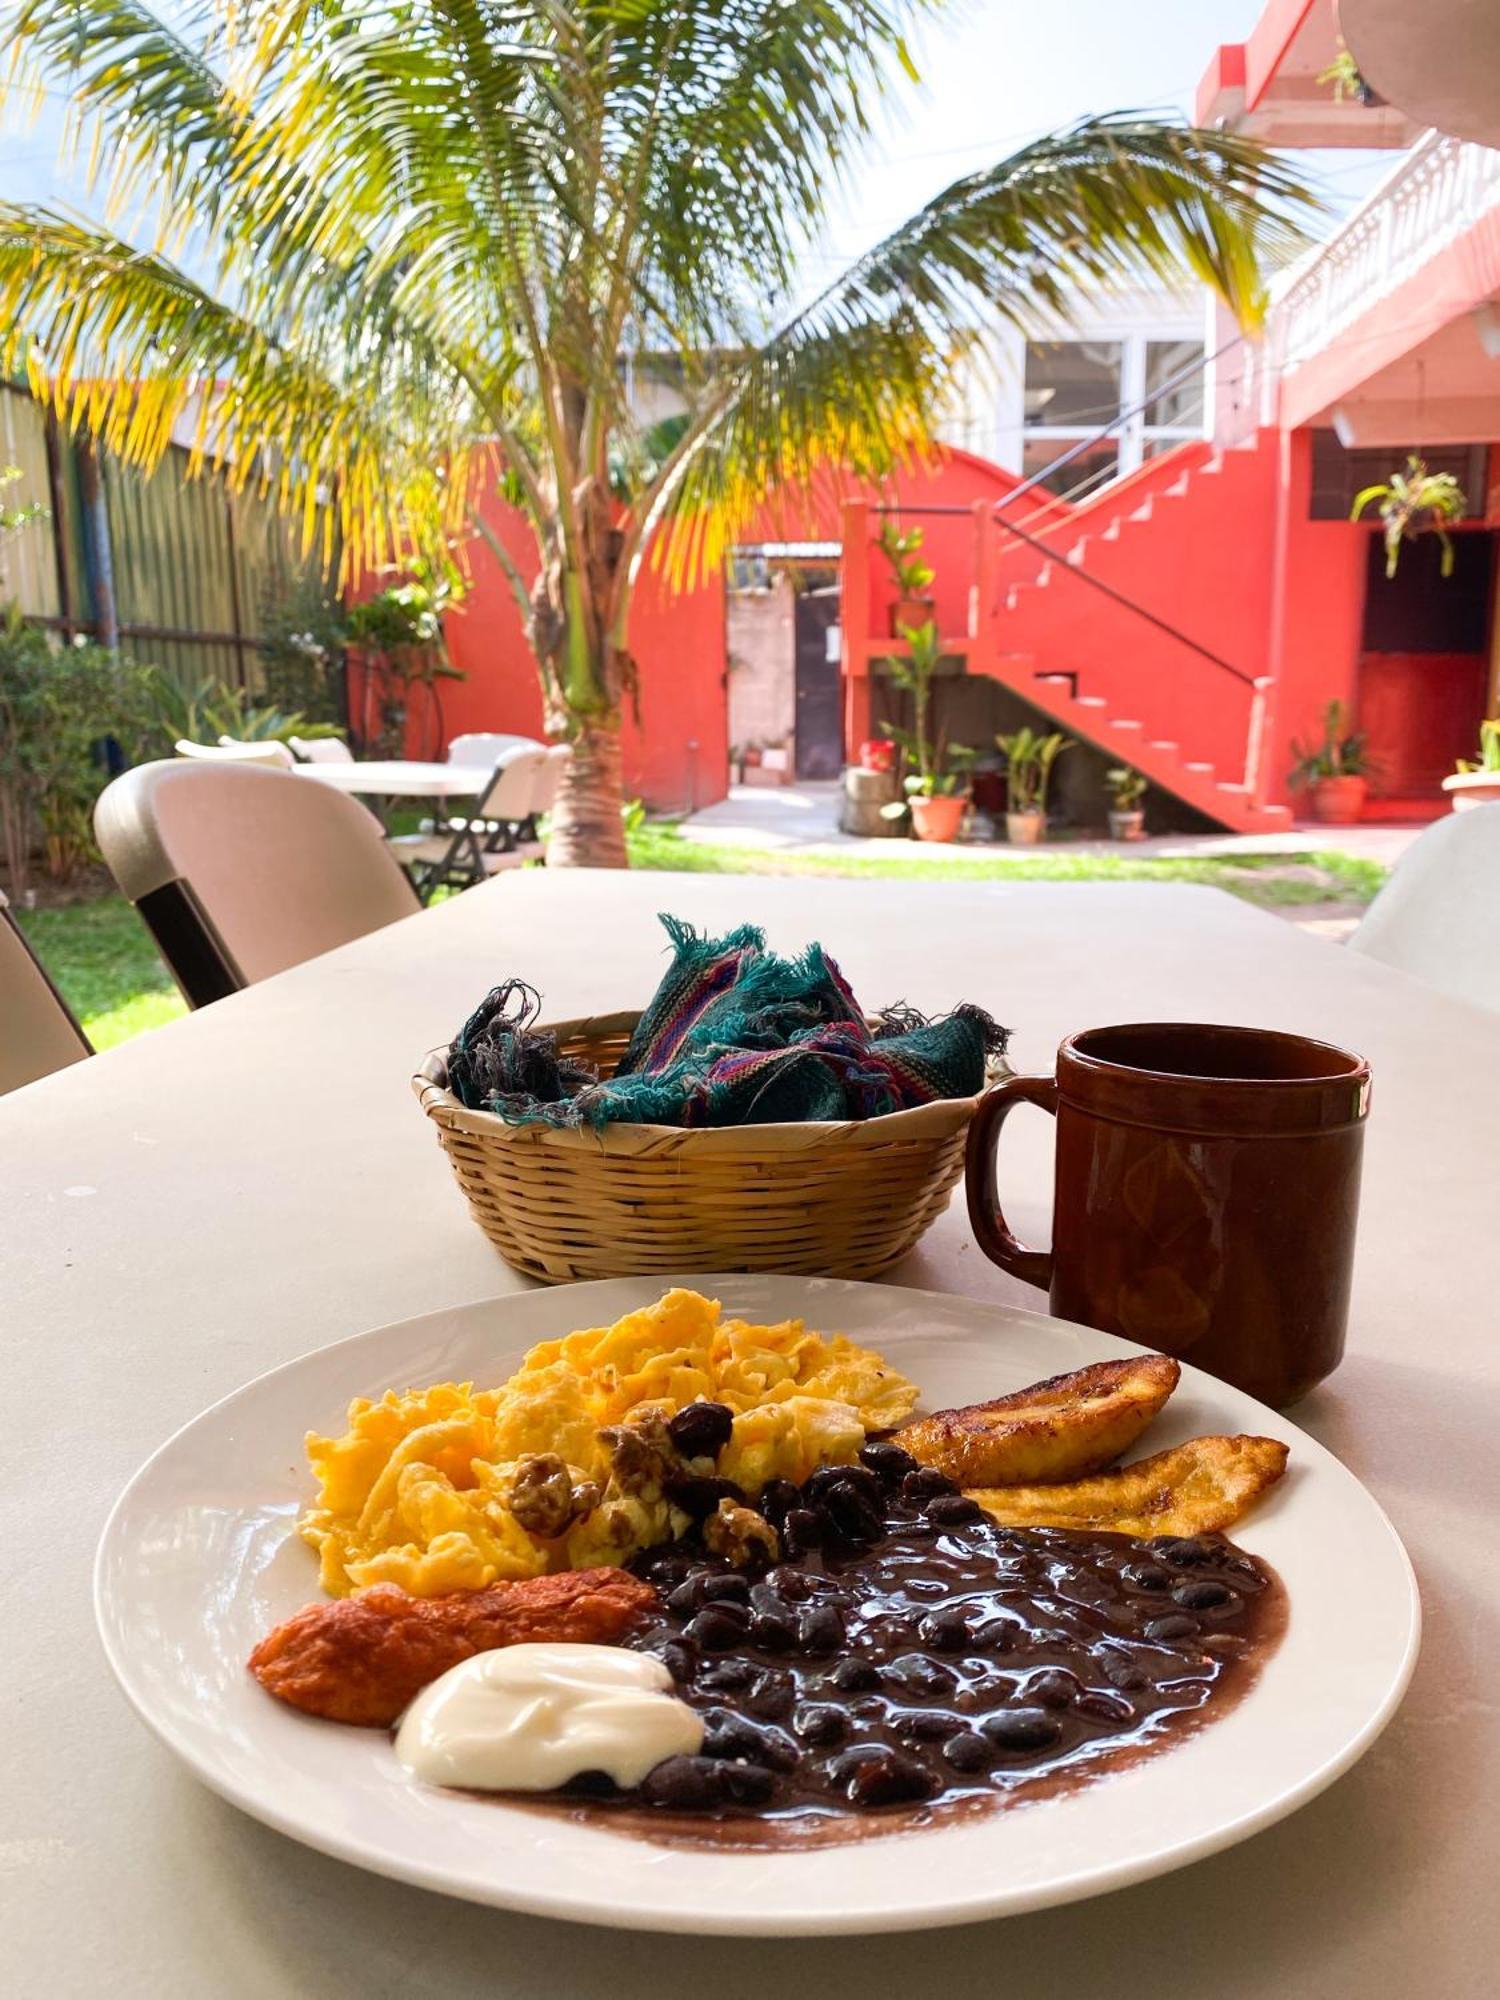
x: 804, y: 819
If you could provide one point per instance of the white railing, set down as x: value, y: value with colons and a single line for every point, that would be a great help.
x: 1436, y: 191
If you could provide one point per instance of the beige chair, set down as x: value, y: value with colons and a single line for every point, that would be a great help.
x: 229, y: 750
x: 545, y: 796
x: 322, y: 749
x: 240, y: 872
x: 37, y: 1031
x: 1438, y: 917
x: 457, y: 853
x: 488, y: 747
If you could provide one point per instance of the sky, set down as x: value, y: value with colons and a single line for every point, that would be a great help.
x: 994, y: 74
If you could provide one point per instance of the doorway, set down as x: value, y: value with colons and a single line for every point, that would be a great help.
x: 819, y: 725
x: 1424, y: 670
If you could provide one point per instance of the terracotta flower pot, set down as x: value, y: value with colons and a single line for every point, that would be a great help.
x: 1025, y: 829
x: 1338, y: 801
x: 1128, y: 825
x: 909, y: 612
x: 940, y: 818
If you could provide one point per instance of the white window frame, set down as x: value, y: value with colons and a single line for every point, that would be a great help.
x: 1131, y: 437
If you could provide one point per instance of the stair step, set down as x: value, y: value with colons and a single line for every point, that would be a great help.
x: 1143, y: 512
x: 1112, y: 532
x: 1197, y: 767
x: 1056, y: 680
x: 1092, y: 701
x: 1225, y: 786
x: 1121, y: 722
x: 1161, y: 743
x: 1074, y: 556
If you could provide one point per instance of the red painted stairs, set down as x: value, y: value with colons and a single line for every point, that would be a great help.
x: 1187, y: 539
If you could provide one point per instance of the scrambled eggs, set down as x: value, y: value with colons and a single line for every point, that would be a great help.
x: 424, y: 1488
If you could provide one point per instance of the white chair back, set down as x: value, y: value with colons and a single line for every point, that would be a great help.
x: 322, y: 749
x: 488, y: 747
x: 551, y: 778
x: 517, y: 777
x: 1438, y: 917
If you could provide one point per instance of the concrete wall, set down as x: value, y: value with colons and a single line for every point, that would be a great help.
x: 761, y: 626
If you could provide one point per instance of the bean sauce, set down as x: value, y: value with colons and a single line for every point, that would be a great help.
x: 909, y: 1657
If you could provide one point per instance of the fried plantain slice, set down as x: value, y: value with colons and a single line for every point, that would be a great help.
x: 1192, y: 1489
x: 1063, y: 1428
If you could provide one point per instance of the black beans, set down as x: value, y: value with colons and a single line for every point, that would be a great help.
x: 688, y: 1596
x: 968, y: 1751
x: 1201, y: 1596
x: 701, y: 1430
x: 820, y: 1630
x: 678, y: 1659
x: 925, y: 1725
x: 820, y: 1723
x: 1185, y: 1551
x: 726, y: 1734
x: 872, y: 1775
x: 945, y: 1631
x: 1021, y: 1729
x: 688, y: 1784
x: 1172, y: 1627
x: 915, y: 1674
x: 771, y: 1695
x: 852, y: 1512
x: 854, y: 1674
x: 1053, y: 1687
x: 829, y: 1478
x: 1146, y: 1576
x: 746, y: 1784
x: 730, y: 1588
x: 717, y: 1627
x: 804, y: 1530
x: 795, y: 1585
x: 773, y: 1631
x: 1120, y: 1670
x: 926, y: 1484
x: 953, y: 1510
x: 698, y: 1498
x: 777, y: 1499
x: 1102, y: 1707
x: 727, y: 1676
x: 888, y: 1462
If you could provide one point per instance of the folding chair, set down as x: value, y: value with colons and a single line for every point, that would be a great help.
x: 460, y: 852
x: 37, y: 1031
x: 322, y: 749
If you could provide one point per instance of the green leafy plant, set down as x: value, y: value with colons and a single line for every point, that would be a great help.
x: 203, y: 711
x: 432, y: 274
x: 1029, y: 758
x: 1340, y: 754
x: 1411, y: 503
x: 1126, y: 787
x: 1348, y: 82
x: 399, y: 634
x: 913, y: 577
x: 936, y: 768
x: 1489, y: 748
x: 303, y: 640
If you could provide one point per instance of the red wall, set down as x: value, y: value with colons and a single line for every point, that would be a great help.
x: 677, y: 757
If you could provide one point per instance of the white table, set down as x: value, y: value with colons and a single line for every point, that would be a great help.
x: 403, y: 778
x: 230, y: 1191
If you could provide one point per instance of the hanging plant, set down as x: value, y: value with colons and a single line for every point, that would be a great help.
x: 1411, y: 503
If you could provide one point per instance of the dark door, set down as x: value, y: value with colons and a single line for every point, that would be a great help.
x: 820, y: 685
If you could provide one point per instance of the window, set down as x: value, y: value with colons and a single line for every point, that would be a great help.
x: 1075, y: 388
x: 1073, y: 382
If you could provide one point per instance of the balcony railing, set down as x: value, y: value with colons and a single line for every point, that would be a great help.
x: 1436, y: 192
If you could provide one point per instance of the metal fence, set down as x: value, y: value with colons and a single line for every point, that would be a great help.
x: 175, y: 570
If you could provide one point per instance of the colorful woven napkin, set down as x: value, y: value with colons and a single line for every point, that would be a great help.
x: 734, y: 1035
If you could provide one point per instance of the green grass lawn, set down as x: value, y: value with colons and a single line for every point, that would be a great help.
x: 102, y: 957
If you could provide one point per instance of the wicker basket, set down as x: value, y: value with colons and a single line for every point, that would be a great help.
x: 841, y: 1200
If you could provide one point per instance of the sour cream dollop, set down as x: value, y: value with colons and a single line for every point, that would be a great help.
x: 529, y: 1718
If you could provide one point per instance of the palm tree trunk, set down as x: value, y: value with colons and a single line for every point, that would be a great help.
x: 587, y: 828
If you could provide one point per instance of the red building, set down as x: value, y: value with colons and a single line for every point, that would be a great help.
x: 1196, y: 616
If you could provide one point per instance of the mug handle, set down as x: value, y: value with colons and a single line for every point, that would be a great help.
x: 1032, y: 1267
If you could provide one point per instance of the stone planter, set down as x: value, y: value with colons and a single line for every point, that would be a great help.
x: 940, y: 818
x: 866, y: 792
x: 1128, y: 825
x: 1025, y: 829
x: 1472, y: 788
x: 1337, y: 801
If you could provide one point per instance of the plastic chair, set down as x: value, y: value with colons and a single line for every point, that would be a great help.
x: 322, y: 749
x: 240, y: 872
x: 545, y: 796
x: 1438, y: 917
x: 37, y: 1031
x: 499, y: 835
x: 488, y: 747
x: 229, y: 750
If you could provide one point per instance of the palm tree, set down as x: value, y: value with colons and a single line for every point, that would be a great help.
x: 388, y: 250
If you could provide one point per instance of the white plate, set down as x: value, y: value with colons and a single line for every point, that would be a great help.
x: 199, y: 1559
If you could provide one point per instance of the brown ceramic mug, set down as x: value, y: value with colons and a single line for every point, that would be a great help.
x: 1206, y: 1191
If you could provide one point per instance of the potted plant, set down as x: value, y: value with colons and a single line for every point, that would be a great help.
x: 1127, y: 817
x: 913, y: 577
x: 1478, y: 783
x: 1334, y: 773
x: 1411, y: 503
x: 936, y: 794
x: 1028, y: 770
x: 1348, y: 80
